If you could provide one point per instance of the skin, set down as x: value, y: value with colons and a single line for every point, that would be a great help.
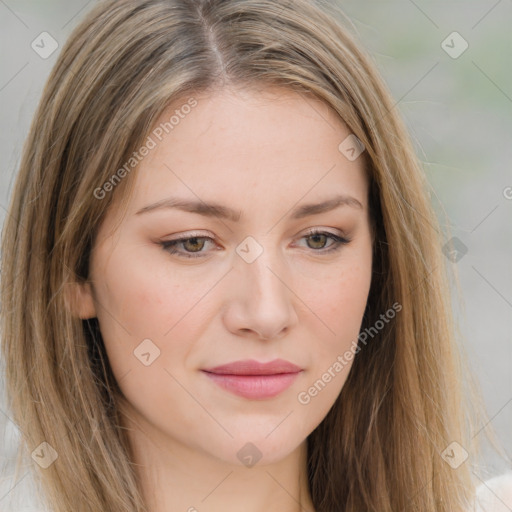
x: 262, y: 154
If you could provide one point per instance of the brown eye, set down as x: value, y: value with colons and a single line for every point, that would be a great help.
x: 191, y: 246
x: 317, y: 241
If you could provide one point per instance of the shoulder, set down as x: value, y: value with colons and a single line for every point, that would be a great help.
x: 495, y: 494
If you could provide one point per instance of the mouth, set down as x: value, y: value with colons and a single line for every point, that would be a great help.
x: 253, y: 380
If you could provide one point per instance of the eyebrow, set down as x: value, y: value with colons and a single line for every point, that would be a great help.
x: 224, y: 212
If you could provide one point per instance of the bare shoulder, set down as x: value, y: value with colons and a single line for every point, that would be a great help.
x: 495, y: 494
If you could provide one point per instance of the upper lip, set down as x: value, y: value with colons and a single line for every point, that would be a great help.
x: 251, y: 367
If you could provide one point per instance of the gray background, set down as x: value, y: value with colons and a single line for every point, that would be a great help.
x: 458, y: 111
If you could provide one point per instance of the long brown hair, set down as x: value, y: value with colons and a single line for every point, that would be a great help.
x: 381, y: 446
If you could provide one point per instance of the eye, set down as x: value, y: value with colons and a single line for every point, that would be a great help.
x: 193, y: 245
x: 319, y: 239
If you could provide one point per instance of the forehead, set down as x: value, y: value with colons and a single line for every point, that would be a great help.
x: 242, y: 147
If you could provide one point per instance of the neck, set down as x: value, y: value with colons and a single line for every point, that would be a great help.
x: 176, y: 476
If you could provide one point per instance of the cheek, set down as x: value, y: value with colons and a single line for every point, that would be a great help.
x: 340, y: 307
x: 340, y: 302
x: 139, y: 303
x: 141, y: 300
x: 339, y: 311
x: 352, y: 294
x: 142, y: 315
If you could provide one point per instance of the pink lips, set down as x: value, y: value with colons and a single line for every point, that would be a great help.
x: 254, y: 380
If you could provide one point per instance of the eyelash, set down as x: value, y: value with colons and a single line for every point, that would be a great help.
x: 170, y: 245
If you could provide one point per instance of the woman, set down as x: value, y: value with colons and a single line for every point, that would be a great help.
x: 223, y: 282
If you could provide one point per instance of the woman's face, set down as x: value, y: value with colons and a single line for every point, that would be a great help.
x: 250, y: 282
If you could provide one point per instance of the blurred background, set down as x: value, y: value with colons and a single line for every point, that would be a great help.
x: 449, y: 68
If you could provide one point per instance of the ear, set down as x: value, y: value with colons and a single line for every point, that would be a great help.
x: 79, y: 300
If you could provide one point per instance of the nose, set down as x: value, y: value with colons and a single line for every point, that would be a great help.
x: 262, y: 304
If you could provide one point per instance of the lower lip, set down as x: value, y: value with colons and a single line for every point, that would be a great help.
x: 256, y: 387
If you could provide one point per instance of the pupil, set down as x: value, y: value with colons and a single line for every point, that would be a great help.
x: 193, y: 241
x: 316, y: 237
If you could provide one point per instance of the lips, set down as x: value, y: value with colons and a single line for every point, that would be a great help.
x: 253, y: 380
x: 251, y: 367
